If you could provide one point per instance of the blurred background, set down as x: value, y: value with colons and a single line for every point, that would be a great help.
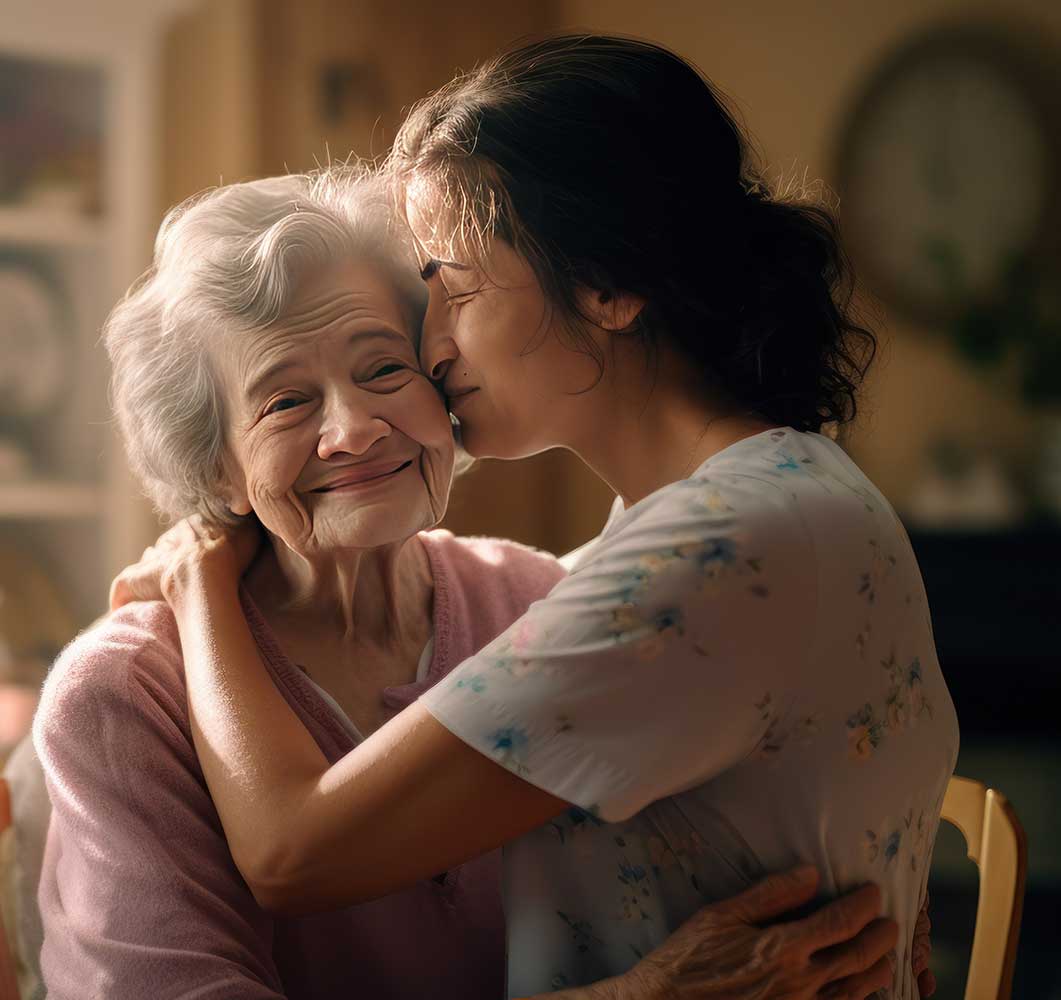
x: 935, y: 126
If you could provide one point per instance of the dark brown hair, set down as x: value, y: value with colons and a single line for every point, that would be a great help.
x: 613, y: 164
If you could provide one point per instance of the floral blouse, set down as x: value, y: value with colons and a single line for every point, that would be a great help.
x: 738, y: 675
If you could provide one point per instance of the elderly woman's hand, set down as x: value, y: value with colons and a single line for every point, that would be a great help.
x: 189, y: 547
x: 921, y: 952
x: 732, y: 950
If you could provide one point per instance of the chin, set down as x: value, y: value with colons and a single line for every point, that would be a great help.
x: 376, y: 530
x: 503, y: 449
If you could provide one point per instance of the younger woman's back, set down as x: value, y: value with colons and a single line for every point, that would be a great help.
x: 740, y: 675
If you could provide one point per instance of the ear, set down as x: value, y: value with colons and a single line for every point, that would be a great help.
x: 234, y: 490
x: 615, y: 312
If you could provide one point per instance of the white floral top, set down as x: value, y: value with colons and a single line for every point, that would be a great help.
x: 737, y: 676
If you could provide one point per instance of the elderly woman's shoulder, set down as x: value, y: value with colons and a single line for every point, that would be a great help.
x: 136, y: 645
x: 479, y: 562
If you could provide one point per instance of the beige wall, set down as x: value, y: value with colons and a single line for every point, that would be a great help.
x: 243, y: 100
x: 793, y: 69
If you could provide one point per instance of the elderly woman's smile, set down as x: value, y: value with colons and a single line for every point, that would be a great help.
x: 336, y: 439
x: 362, y: 475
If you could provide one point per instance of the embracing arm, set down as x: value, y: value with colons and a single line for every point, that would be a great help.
x: 309, y: 837
x: 405, y: 804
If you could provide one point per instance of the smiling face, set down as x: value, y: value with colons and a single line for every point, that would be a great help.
x: 500, y: 350
x: 335, y: 437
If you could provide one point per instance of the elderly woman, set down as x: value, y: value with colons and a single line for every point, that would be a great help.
x: 355, y: 610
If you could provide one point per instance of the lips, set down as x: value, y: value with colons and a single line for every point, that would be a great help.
x: 359, y: 475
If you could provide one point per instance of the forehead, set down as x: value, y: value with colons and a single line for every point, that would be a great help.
x: 347, y: 290
x: 352, y: 303
x: 439, y: 230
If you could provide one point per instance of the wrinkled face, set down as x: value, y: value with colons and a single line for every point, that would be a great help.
x: 335, y: 437
x: 500, y: 352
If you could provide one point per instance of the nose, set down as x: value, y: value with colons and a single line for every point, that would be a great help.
x: 350, y: 427
x: 438, y: 350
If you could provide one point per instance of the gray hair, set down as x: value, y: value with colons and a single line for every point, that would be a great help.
x: 231, y: 259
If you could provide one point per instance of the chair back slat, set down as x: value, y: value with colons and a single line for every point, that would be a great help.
x: 8, y: 976
x: 996, y: 842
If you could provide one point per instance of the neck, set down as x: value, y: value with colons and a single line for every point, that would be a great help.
x: 378, y: 596
x: 644, y: 427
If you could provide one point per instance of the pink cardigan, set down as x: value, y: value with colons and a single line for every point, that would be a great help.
x: 139, y: 895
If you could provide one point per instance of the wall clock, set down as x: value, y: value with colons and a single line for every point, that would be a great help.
x: 949, y: 168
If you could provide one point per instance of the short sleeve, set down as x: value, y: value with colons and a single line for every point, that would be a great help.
x: 644, y: 672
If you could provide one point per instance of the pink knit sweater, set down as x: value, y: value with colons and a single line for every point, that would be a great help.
x: 139, y: 895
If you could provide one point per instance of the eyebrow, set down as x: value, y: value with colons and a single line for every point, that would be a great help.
x: 431, y: 268
x: 258, y: 381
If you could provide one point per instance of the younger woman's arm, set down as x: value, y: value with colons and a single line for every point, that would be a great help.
x: 414, y: 799
x: 410, y: 801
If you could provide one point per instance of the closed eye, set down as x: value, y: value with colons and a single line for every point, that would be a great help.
x: 459, y: 298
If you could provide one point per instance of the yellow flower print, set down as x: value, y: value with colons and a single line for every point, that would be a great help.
x: 660, y: 855
x: 861, y: 742
x: 626, y: 618
x: 714, y: 502
x: 897, y: 713
x: 865, y: 732
x: 779, y: 732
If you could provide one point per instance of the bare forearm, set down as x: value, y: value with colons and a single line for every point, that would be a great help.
x: 259, y: 761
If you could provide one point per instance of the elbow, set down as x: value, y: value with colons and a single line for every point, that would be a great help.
x: 286, y: 884
x: 272, y: 879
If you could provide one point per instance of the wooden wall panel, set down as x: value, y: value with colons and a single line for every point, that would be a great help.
x: 260, y: 87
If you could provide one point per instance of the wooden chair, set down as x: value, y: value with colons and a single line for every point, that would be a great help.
x: 8, y: 978
x: 995, y: 841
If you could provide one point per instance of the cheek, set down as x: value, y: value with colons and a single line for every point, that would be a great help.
x: 419, y: 413
x: 421, y: 416
x: 273, y: 463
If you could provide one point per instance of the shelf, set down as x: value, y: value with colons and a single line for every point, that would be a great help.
x: 32, y: 226
x: 49, y: 500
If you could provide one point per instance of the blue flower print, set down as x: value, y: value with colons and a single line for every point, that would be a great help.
x: 717, y: 551
x: 637, y: 881
x: 883, y: 849
x: 581, y: 933
x: 891, y: 846
x: 576, y: 820
x: 508, y: 746
x: 632, y: 875
x: 665, y: 624
x: 476, y: 683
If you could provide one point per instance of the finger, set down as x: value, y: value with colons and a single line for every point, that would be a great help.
x: 926, y: 984
x: 919, y: 956
x: 862, y: 952
x: 773, y: 896
x: 137, y: 583
x: 119, y: 594
x: 864, y: 984
x: 840, y: 920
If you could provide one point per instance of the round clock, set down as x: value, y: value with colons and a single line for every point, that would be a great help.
x: 35, y: 350
x: 949, y: 171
